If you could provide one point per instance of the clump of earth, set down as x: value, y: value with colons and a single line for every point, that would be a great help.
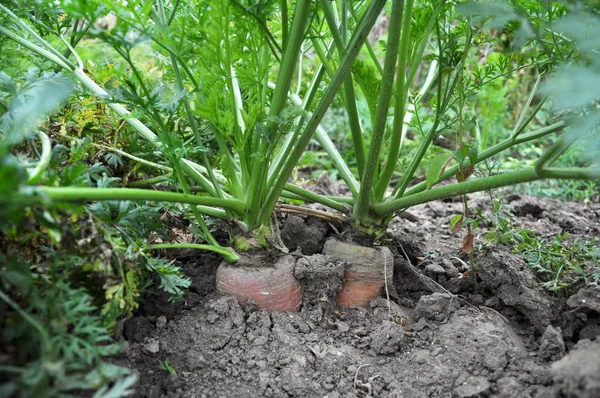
x: 442, y: 333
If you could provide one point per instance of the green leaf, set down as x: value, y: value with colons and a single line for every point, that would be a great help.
x: 12, y: 175
x: 172, y: 280
x: 365, y: 74
x: 436, y: 168
x: 124, y: 387
x: 581, y: 27
x: 456, y: 222
x: 113, y: 160
x: 494, y: 14
x: 167, y: 366
x: 16, y: 273
x: 573, y: 87
x: 6, y: 84
x: 32, y: 103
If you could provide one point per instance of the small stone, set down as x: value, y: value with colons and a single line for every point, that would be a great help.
x: 495, y: 362
x: 299, y: 359
x: 343, y: 326
x: 591, y: 330
x: 437, y: 351
x: 436, y: 306
x: 447, y: 264
x: 473, y: 387
x: 221, y: 306
x: 161, y: 322
x: 152, y: 347
x: 450, y: 269
x: 435, y: 269
x: 290, y: 328
x: 420, y: 325
x: 172, y: 383
x: 587, y: 297
x: 552, y: 345
x: 155, y: 392
x: 508, y: 386
x: 137, y: 329
x: 212, y: 317
x: 303, y: 327
x: 576, y: 374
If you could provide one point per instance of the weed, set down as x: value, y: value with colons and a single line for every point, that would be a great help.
x: 57, y: 336
x: 68, y: 280
x: 167, y: 366
x: 559, y: 263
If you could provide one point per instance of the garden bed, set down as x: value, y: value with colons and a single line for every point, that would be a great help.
x: 442, y: 334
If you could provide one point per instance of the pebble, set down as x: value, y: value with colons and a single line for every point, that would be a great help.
x: 435, y: 269
x: 152, y: 347
x: 161, y: 322
x: 343, y: 326
x: 587, y: 298
x: 552, y: 345
x: 195, y: 361
x: 473, y: 387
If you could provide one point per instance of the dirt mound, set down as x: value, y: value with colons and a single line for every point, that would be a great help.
x: 576, y: 375
x: 443, y: 334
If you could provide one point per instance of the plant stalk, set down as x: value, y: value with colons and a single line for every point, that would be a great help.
x: 350, y: 97
x: 483, y: 184
x: 352, y: 51
x: 76, y: 194
x: 402, y: 86
x: 227, y: 253
x: 365, y: 196
x: 488, y: 153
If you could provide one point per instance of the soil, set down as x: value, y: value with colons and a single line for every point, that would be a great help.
x: 442, y: 333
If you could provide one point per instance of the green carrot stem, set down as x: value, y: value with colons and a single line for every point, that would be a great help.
x: 365, y: 196
x: 75, y: 194
x: 352, y: 51
x: 227, y: 253
x: 483, y: 184
x: 492, y: 151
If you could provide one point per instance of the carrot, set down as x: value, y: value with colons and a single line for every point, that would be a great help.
x: 271, y: 288
x: 365, y: 272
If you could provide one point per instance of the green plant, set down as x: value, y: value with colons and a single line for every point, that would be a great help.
x: 580, y: 191
x: 219, y: 109
x: 559, y: 263
x: 230, y: 86
x: 66, y: 281
x: 59, y: 338
x: 167, y: 366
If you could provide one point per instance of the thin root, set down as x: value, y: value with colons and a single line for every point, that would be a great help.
x: 286, y: 208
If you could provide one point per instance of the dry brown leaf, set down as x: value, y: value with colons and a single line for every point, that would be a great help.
x: 466, y: 173
x: 467, y: 245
